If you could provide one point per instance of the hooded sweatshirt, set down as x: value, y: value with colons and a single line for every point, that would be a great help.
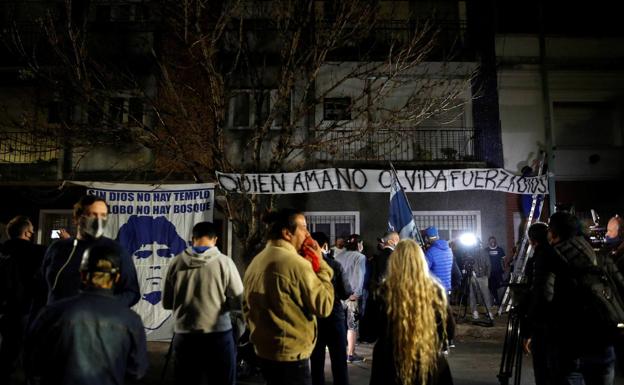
x: 201, y: 289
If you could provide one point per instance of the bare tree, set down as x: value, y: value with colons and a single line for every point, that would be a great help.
x: 281, y: 60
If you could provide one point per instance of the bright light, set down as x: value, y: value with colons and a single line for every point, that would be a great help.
x: 468, y: 239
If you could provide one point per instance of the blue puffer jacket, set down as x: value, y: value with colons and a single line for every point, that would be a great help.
x: 440, y: 260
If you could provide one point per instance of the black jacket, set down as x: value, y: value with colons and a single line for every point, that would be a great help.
x: 20, y: 263
x: 62, y: 275
x: 91, y: 338
x: 568, y: 321
x: 342, y: 290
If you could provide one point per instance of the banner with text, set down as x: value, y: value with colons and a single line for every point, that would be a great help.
x: 154, y: 223
x: 362, y: 180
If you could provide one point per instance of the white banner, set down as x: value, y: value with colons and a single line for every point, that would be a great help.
x: 359, y: 180
x: 154, y: 223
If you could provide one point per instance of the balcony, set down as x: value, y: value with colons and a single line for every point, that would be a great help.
x: 414, y: 145
x: 25, y: 155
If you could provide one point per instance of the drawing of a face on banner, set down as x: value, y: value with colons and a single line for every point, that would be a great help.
x: 153, y: 242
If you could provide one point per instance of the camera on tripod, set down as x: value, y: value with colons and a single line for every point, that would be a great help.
x: 597, y: 234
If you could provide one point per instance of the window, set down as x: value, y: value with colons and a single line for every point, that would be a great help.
x: 117, y: 110
x: 333, y: 223
x: 451, y: 117
x: 58, y: 112
x: 249, y: 107
x: 53, y: 220
x: 337, y: 109
x: 450, y: 224
x: 124, y: 12
x: 584, y: 124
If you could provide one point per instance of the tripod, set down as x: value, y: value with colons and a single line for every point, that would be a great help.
x: 468, y: 283
x: 511, y: 361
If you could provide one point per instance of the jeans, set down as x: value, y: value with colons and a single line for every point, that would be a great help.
x: 285, y: 372
x: 595, y: 368
x: 205, y: 356
x: 333, y: 334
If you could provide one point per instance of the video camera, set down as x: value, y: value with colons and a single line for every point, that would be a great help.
x: 597, y: 233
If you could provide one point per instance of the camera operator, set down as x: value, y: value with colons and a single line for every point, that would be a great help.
x: 477, y: 262
x: 614, y: 241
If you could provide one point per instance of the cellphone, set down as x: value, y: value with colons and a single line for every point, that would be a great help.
x: 56, y: 234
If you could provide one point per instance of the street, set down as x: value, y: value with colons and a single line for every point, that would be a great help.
x: 474, y: 361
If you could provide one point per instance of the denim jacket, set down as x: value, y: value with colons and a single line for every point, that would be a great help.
x: 92, y: 339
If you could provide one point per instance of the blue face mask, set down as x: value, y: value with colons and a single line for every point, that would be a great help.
x: 200, y: 249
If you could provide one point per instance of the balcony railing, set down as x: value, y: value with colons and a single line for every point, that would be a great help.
x: 405, y: 145
x: 20, y: 147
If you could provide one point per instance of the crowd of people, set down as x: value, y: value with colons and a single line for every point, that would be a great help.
x: 66, y: 313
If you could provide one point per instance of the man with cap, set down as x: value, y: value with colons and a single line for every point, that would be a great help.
x: 439, y: 257
x: 91, y: 338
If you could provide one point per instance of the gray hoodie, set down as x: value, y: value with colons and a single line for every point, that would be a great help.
x: 202, y: 289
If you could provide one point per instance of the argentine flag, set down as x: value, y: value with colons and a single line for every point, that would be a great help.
x: 400, y: 217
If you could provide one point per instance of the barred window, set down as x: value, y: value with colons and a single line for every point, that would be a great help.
x: 450, y: 224
x: 333, y: 223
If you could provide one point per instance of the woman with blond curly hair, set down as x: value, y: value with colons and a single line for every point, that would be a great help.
x: 408, y: 351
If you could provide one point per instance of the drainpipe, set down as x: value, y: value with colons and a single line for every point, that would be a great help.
x: 550, y: 156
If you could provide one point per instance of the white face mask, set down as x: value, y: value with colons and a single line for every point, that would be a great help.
x: 93, y: 227
x: 360, y: 247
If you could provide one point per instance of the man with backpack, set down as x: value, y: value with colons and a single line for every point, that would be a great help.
x: 584, y: 306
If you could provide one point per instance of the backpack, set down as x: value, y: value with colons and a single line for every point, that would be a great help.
x: 599, y: 294
x: 596, y: 291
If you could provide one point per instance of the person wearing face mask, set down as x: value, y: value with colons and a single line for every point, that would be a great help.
x: 20, y: 259
x: 354, y: 264
x: 61, y: 262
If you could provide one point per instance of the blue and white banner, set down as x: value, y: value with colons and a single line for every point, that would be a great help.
x: 400, y: 218
x: 154, y: 223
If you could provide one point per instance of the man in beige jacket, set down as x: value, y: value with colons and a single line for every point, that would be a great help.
x: 283, y: 296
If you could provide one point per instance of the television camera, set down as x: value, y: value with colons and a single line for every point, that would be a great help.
x: 596, y: 233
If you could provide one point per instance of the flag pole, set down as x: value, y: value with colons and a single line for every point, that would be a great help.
x: 419, y: 238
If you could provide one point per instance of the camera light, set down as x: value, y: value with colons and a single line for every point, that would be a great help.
x: 468, y: 239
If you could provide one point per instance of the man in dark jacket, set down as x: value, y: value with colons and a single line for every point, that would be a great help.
x: 332, y: 332
x: 540, y: 282
x: 92, y: 338
x: 579, y: 351
x: 20, y: 261
x: 62, y: 259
